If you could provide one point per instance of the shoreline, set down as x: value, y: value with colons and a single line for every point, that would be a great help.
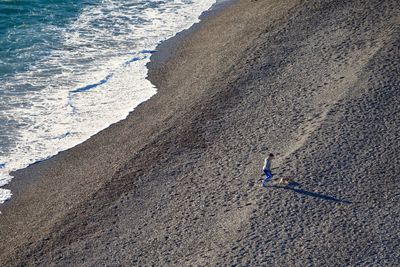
x: 179, y: 183
x: 21, y: 185
x: 23, y: 178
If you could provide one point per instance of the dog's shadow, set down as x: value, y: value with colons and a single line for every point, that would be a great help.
x: 295, y: 187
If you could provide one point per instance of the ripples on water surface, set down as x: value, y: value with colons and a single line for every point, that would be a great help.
x: 69, y: 69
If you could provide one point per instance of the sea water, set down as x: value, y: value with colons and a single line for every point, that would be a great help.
x: 69, y: 69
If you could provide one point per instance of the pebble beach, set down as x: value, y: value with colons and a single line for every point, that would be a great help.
x: 178, y: 182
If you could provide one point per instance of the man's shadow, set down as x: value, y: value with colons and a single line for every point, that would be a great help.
x: 294, y: 186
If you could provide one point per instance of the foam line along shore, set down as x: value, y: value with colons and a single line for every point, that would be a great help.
x: 84, y: 69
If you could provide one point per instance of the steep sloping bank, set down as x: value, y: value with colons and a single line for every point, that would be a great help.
x: 178, y: 182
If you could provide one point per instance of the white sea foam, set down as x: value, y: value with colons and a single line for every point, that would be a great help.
x: 95, y: 79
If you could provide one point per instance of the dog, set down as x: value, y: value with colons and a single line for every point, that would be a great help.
x: 285, y: 181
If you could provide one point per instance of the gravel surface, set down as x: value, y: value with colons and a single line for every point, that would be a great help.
x: 178, y: 183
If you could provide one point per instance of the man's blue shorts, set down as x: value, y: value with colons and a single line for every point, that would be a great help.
x: 268, y: 174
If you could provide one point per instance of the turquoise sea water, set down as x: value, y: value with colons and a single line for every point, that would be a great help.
x: 68, y: 69
x: 29, y: 30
